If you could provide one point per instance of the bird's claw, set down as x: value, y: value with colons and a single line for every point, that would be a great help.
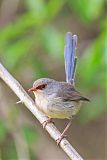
x: 60, y: 139
x: 47, y: 121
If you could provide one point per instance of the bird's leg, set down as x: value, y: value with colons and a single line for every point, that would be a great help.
x: 49, y: 120
x: 63, y: 133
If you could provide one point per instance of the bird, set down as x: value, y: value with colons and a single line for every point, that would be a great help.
x: 57, y: 100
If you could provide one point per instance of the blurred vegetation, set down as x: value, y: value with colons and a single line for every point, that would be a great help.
x: 33, y: 34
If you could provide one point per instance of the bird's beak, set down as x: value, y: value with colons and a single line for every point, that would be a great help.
x: 32, y: 89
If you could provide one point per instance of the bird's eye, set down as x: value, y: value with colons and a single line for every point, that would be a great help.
x: 41, y: 87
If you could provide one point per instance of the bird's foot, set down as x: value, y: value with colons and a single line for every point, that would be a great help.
x: 60, y: 139
x: 63, y: 133
x: 47, y: 121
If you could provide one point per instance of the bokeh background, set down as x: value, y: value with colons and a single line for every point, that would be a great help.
x: 32, y: 39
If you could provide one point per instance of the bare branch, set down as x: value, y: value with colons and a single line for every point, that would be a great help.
x: 29, y: 103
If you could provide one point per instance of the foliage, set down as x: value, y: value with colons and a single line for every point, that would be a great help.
x: 3, y: 131
x: 30, y: 135
x: 88, y: 10
x: 94, y: 78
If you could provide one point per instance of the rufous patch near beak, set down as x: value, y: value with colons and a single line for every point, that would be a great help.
x: 32, y: 89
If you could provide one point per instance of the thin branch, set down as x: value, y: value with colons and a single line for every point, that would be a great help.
x: 30, y: 104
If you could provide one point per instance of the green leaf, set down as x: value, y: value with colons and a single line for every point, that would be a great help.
x: 3, y: 131
x: 53, y: 41
x: 88, y: 10
x: 15, y: 51
x: 53, y: 7
x: 93, y: 61
x: 37, y: 8
x: 18, y: 28
x: 30, y: 134
x: 9, y: 151
x: 92, y: 76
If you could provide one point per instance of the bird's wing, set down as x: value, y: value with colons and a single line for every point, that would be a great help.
x: 68, y: 93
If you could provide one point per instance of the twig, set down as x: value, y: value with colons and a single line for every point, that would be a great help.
x: 29, y: 103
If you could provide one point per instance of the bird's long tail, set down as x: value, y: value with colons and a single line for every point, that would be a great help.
x: 70, y: 57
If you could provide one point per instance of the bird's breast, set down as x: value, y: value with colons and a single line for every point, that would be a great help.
x: 62, y: 110
x: 55, y: 108
x: 41, y: 102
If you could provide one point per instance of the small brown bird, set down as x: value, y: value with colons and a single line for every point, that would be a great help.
x: 57, y: 100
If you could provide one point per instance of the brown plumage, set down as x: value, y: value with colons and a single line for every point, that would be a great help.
x: 68, y: 93
x: 57, y: 100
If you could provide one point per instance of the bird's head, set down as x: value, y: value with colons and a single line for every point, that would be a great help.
x: 43, y: 86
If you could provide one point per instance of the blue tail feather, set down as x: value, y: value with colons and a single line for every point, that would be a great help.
x: 70, y: 57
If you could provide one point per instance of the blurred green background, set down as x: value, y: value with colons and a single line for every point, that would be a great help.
x: 32, y: 39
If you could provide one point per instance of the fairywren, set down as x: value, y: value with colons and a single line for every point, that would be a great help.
x: 60, y: 99
x: 57, y: 100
